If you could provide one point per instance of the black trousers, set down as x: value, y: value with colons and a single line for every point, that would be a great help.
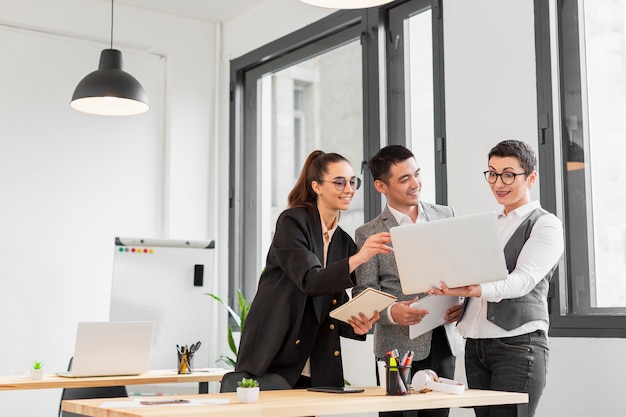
x: 442, y: 362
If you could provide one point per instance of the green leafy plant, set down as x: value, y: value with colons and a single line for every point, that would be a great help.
x: 248, y: 383
x: 240, y: 320
x: 37, y: 365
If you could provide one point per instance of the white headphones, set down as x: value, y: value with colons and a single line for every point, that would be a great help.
x: 427, y: 380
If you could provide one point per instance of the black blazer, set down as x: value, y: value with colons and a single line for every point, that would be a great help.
x: 288, y: 321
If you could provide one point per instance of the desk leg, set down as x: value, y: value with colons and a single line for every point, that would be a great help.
x: 521, y: 410
x: 203, y: 388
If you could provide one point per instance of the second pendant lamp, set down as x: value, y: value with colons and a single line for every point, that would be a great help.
x: 110, y: 91
x: 346, y: 4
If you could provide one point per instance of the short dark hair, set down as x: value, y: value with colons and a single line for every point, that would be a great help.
x: 521, y: 150
x: 381, y: 163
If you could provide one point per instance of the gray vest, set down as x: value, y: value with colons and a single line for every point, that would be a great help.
x: 511, y: 313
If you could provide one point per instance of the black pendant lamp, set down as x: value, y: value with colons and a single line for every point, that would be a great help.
x: 346, y: 4
x: 109, y: 91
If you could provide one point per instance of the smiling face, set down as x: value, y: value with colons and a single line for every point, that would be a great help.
x: 329, y: 198
x: 403, y: 185
x: 516, y: 194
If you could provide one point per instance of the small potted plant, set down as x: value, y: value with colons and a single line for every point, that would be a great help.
x: 37, y: 371
x: 248, y: 390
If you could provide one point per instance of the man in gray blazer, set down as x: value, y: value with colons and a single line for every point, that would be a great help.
x: 397, y: 176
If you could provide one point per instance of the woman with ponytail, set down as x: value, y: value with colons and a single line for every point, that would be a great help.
x: 309, y: 266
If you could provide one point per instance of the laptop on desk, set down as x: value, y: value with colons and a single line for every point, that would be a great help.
x: 112, y: 348
x: 458, y: 251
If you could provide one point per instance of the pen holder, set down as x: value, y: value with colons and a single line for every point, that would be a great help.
x: 398, y: 380
x: 184, y: 362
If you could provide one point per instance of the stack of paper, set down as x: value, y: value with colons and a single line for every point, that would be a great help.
x: 436, y: 306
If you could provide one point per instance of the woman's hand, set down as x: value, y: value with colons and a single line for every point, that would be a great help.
x: 375, y: 244
x: 362, y: 325
x: 467, y: 291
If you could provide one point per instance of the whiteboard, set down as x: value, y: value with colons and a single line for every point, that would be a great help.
x: 166, y: 281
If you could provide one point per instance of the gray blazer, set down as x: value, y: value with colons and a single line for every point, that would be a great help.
x: 381, y: 273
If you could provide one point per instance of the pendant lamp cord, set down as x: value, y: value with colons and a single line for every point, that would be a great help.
x: 111, y: 24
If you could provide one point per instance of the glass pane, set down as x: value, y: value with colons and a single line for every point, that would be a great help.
x: 315, y: 104
x: 420, y: 100
x: 605, y: 38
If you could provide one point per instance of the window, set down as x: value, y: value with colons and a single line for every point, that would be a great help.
x: 299, y: 136
x: 327, y: 90
x: 321, y: 88
x: 415, y: 66
x: 308, y: 96
x: 589, y: 80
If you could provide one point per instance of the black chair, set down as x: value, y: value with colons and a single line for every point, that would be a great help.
x: 267, y: 382
x: 85, y: 393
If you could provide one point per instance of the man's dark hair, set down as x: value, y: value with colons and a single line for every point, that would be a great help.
x: 521, y: 150
x: 381, y: 163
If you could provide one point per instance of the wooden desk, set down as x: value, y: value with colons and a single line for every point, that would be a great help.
x: 152, y: 377
x: 300, y: 402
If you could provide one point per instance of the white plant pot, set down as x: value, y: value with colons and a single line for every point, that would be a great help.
x: 36, y: 374
x: 248, y: 395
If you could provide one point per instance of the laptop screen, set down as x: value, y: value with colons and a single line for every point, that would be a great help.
x: 458, y: 251
x: 112, y: 348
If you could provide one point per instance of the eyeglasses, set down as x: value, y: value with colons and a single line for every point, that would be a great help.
x: 507, y: 178
x: 340, y: 183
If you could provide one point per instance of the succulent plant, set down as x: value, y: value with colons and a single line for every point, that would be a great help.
x: 248, y: 383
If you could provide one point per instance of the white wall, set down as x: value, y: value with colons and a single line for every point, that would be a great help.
x: 490, y: 90
x: 490, y: 95
x: 71, y: 182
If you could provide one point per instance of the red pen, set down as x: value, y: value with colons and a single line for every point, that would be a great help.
x: 407, y: 364
x: 409, y: 358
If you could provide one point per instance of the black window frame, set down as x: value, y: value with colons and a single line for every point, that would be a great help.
x: 565, y: 320
x: 396, y: 102
x: 243, y: 188
x: 372, y: 27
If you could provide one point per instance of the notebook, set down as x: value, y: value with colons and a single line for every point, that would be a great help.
x: 111, y: 348
x: 458, y: 251
x: 367, y: 302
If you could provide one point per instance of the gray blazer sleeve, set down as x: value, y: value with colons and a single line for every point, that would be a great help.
x: 370, y: 273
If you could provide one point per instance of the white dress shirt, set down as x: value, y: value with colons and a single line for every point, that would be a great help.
x: 457, y: 344
x: 540, y: 253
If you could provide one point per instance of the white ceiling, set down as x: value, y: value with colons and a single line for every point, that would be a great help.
x: 206, y: 10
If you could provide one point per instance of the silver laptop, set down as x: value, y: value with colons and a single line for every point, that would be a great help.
x: 458, y: 251
x: 111, y: 348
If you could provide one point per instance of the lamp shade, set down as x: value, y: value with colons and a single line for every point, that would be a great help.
x: 346, y: 4
x: 109, y: 91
